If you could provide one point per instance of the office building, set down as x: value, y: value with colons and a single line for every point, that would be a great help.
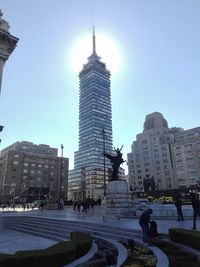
x: 150, y: 163
x: 186, y: 149
x: 30, y: 172
x: 91, y: 169
x: 164, y: 158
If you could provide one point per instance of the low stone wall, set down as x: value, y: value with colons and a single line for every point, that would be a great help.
x: 164, y: 210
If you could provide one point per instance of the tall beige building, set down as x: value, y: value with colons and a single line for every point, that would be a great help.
x: 30, y: 172
x: 164, y: 158
x: 151, y: 156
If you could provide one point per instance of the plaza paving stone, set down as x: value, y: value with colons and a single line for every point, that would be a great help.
x: 11, y: 241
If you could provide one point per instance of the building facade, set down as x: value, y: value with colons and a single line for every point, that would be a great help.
x: 31, y: 172
x: 91, y: 168
x: 7, y: 44
x: 186, y: 149
x: 164, y: 158
x: 150, y: 162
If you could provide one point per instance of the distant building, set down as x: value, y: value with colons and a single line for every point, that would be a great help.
x: 30, y: 172
x: 186, y: 149
x: 150, y: 162
x: 164, y: 158
x: 90, y: 175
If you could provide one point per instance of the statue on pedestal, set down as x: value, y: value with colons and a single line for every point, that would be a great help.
x: 116, y: 162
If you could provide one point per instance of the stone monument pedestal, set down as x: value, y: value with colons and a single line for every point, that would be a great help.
x: 118, y: 198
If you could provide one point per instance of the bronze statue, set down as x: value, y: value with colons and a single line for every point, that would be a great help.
x: 116, y: 162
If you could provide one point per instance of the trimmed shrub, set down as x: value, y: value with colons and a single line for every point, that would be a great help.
x: 186, y: 237
x: 177, y: 258
x: 7, y: 260
x: 82, y: 241
x: 57, y: 255
x: 94, y: 263
x: 61, y: 253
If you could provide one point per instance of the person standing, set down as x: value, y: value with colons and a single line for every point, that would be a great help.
x: 144, y: 221
x: 178, y: 204
x: 196, y: 208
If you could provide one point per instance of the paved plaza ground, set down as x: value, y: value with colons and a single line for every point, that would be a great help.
x: 11, y: 241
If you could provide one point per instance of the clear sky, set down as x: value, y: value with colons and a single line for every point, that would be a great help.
x: 159, y: 46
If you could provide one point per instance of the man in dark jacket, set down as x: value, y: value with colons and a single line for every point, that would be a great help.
x: 144, y: 221
x: 178, y: 204
x: 196, y: 208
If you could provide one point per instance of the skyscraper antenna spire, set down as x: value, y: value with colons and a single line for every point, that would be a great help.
x: 94, y: 55
x: 94, y: 41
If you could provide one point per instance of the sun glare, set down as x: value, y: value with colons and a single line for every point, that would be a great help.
x: 106, y: 48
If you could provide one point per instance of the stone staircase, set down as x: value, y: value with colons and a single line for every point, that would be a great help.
x: 59, y: 230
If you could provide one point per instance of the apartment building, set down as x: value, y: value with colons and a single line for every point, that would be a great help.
x: 150, y: 162
x: 186, y: 149
x: 164, y: 158
x: 29, y: 172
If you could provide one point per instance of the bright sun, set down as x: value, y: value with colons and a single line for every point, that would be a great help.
x: 106, y: 48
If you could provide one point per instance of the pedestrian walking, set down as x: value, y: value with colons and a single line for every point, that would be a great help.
x: 144, y: 222
x: 178, y: 204
x: 196, y: 208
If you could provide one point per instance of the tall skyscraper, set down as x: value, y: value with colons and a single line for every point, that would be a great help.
x: 95, y: 130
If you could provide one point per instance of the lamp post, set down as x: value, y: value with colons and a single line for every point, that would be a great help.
x: 60, y: 187
x: 104, y: 164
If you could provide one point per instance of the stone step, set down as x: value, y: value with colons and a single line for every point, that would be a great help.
x: 88, y: 224
x: 42, y: 230
x: 64, y: 224
x: 38, y: 233
x: 62, y: 228
x: 53, y: 229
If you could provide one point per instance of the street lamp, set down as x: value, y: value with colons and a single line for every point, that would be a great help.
x: 104, y: 164
x: 61, y: 168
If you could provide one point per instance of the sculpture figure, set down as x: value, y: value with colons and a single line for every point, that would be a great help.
x: 116, y: 162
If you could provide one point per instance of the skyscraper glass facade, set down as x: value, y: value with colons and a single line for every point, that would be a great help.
x: 95, y: 130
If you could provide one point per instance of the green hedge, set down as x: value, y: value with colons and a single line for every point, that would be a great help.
x: 83, y: 242
x: 186, y: 237
x: 55, y: 256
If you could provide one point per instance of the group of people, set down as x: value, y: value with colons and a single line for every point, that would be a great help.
x: 195, y: 202
x: 149, y: 228
x: 83, y: 205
